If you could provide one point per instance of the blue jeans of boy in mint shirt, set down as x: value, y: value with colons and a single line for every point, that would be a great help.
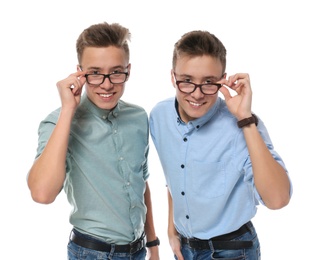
x: 76, y: 252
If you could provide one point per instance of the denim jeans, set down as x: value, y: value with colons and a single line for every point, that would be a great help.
x: 76, y: 252
x: 252, y: 253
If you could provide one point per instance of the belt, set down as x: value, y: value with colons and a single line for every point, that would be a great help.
x: 104, y: 247
x: 221, y: 242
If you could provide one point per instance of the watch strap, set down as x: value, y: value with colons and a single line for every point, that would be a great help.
x: 153, y: 243
x: 247, y: 121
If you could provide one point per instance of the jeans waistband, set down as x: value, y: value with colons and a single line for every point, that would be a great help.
x: 97, y: 245
x: 221, y: 242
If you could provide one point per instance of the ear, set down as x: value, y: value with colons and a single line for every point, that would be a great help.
x: 173, y: 78
x: 79, y: 68
x: 129, y: 70
x: 224, y: 75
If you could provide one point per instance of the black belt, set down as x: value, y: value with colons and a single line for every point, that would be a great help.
x: 221, y: 242
x: 104, y: 247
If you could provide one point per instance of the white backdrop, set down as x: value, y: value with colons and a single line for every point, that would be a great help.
x: 270, y: 40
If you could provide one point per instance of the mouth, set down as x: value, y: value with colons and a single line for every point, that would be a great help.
x: 106, y: 95
x: 195, y: 104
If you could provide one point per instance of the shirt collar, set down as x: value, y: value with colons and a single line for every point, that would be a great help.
x: 103, y: 113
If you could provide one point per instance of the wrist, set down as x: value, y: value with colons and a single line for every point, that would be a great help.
x: 248, y: 121
x: 153, y: 243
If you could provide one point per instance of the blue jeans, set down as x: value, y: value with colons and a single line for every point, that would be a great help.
x: 76, y: 252
x: 252, y: 253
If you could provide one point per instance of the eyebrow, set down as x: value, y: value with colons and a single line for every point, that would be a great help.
x: 191, y: 77
x: 112, y: 68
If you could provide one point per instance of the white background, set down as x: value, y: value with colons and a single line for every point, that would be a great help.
x: 270, y: 40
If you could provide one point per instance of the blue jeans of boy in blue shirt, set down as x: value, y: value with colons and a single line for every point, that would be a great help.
x: 252, y: 253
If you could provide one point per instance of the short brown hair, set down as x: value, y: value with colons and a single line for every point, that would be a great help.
x: 198, y: 43
x: 104, y: 35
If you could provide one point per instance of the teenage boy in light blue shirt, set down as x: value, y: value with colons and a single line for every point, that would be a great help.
x: 217, y: 157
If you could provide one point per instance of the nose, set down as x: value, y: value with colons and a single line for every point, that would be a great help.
x: 197, y: 93
x: 106, y: 84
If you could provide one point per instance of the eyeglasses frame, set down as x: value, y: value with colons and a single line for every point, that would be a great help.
x: 106, y: 76
x: 177, y: 82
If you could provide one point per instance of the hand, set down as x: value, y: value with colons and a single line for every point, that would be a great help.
x: 175, y: 245
x: 70, y: 89
x: 240, y: 104
x: 153, y: 253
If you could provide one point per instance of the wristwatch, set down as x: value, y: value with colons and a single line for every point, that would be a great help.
x: 153, y: 243
x: 247, y: 121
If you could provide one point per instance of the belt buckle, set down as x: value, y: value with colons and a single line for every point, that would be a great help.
x: 136, y: 246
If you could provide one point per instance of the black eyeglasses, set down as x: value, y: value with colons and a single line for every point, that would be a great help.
x: 114, y: 78
x: 208, y: 88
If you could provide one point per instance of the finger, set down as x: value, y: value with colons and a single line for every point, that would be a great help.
x: 223, y: 81
x: 79, y: 73
x: 82, y: 80
x: 234, y: 79
x: 179, y: 255
x: 76, y: 89
x: 225, y: 92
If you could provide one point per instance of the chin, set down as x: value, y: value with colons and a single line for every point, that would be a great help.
x: 196, y: 113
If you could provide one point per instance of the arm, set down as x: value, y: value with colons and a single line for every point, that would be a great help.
x: 173, y: 236
x: 153, y: 252
x: 47, y: 174
x: 270, y: 178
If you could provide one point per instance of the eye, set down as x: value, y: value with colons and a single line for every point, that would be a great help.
x: 187, y: 80
x: 208, y: 81
x: 94, y: 72
x: 117, y: 71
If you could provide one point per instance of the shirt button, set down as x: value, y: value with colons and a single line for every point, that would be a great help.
x: 183, y: 193
x: 182, y: 166
x: 185, y: 139
x: 197, y: 126
x: 115, y: 131
x: 187, y: 217
x: 121, y: 158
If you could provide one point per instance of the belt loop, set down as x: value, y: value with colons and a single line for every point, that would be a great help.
x: 111, y: 253
x: 249, y: 226
x: 211, y: 246
x: 70, y: 235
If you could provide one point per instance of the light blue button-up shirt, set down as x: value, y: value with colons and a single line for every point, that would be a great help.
x: 207, y: 169
x: 106, y: 169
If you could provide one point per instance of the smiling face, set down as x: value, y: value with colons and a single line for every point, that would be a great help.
x: 104, y: 60
x: 198, y: 69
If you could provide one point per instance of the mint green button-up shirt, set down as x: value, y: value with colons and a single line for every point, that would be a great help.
x: 106, y: 169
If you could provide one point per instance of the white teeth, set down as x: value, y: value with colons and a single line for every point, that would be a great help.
x: 195, y: 104
x: 105, y: 95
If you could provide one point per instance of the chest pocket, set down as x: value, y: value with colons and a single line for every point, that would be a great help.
x: 207, y: 179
